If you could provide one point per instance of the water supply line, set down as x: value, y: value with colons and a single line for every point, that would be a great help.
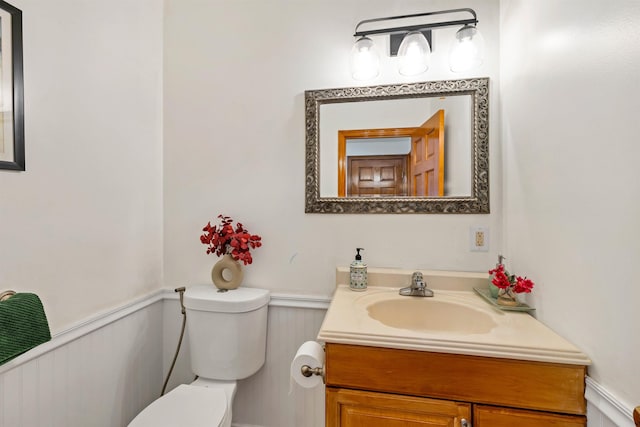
x: 184, y: 323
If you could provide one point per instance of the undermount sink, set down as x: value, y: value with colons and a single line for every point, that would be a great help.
x: 430, y: 314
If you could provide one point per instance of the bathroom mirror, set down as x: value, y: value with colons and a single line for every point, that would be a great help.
x: 366, y: 148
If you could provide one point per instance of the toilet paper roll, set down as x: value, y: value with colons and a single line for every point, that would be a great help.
x: 311, y: 354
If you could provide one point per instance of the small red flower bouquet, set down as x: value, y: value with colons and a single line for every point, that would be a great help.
x: 225, y: 239
x: 510, y: 282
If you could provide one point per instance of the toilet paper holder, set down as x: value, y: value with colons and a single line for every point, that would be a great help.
x: 307, y: 371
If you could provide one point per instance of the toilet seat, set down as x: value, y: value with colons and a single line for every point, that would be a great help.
x: 186, y: 405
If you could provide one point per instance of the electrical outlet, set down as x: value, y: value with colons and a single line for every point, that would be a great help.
x: 479, y: 239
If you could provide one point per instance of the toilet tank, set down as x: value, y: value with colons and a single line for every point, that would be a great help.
x: 227, y: 331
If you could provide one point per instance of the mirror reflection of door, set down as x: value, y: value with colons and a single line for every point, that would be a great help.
x: 377, y: 175
x: 392, y: 162
x: 427, y: 157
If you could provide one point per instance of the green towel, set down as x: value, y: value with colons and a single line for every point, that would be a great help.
x: 23, y: 325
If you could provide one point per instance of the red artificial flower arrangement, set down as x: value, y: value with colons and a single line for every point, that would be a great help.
x: 224, y: 239
x: 504, y: 280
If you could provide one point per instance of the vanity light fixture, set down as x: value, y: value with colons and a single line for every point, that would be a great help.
x: 414, y: 54
x: 467, y: 50
x: 412, y: 45
x: 365, y: 59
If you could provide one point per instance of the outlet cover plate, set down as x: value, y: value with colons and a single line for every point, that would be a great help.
x: 479, y: 239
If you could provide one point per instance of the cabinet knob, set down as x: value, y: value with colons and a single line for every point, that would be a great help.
x: 464, y: 423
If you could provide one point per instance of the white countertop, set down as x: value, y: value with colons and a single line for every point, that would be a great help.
x: 513, y: 335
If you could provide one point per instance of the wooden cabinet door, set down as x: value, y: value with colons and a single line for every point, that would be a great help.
x: 353, y: 408
x: 491, y: 416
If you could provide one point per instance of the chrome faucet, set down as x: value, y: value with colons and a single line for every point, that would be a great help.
x: 418, y: 287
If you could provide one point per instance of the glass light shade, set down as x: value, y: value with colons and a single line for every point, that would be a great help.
x: 365, y: 60
x: 414, y: 54
x: 467, y: 50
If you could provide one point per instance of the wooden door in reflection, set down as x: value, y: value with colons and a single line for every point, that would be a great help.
x: 427, y: 157
x: 377, y: 176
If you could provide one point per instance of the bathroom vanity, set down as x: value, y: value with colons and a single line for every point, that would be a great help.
x: 450, y: 360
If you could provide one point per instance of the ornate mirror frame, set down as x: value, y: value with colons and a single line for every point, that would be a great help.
x: 477, y: 203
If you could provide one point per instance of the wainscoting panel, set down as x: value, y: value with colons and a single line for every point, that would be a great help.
x: 103, y: 376
x: 268, y: 399
x: 604, y: 409
x: 105, y: 371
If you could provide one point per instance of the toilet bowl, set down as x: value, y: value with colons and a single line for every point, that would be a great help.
x: 227, y: 338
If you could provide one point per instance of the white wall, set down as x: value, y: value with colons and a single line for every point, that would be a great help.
x: 571, y: 96
x: 82, y: 227
x: 234, y: 82
x: 458, y: 153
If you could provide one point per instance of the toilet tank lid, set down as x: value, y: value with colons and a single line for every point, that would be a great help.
x: 207, y: 298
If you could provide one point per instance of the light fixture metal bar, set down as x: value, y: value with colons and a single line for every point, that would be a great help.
x: 410, y: 28
x: 417, y: 27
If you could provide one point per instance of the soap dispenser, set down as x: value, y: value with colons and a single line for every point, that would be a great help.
x: 358, y: 273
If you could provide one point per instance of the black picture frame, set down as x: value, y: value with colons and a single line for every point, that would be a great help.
x: 11, y: 89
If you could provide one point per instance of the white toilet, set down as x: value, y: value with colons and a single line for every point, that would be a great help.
x: 227, y: 338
